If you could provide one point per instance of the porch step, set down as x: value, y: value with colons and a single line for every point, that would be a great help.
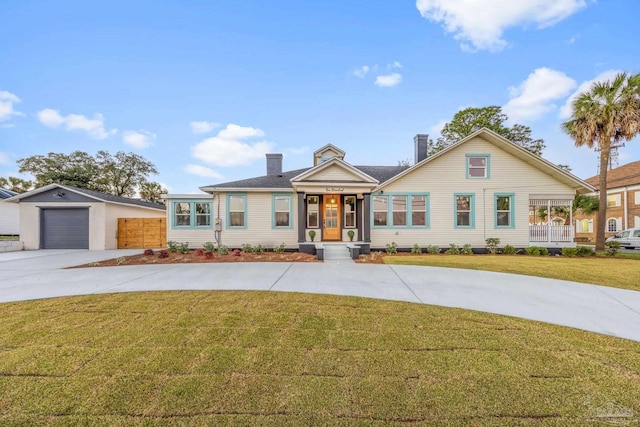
x: 337, y: 252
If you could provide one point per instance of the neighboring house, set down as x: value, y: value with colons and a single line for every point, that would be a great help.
x: 482, y: 186
x: 64, y: 217
x: 623, y: 203
x: 9, y: 214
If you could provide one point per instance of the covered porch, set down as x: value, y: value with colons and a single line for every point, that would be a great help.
x: 550, y: 221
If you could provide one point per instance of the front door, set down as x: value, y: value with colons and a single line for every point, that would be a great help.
x: 331, y: 223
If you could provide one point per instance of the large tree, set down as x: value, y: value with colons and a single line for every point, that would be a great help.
x: 121, y: 174
x: 152, y: 192
x: 607, y: 114
x: 469, y: 120
x: 16, y: 184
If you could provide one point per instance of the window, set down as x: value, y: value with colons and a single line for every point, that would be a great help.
x: 464, y: 211
x: 236, y: 210
x: 182, y: 212
x: 282, y: 211
x: 637, y: 197
x: 585, y: 226
x: 477, y: 166
x: 192, y: 214
x: 504, y: 210
x: 350, y: 211
x: 399, y: 206
x: 613, y: 200
x: 313, y: 207
x: 612, y: 225
x: 418, y: 211
x: 380, y: 210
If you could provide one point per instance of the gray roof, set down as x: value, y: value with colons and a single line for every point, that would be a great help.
x: 5, y: 194
x: 117, y: 199
x: 381, y: 173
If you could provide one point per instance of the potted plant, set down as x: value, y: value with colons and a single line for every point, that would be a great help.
x: 351, y: 233
x: 312, y: 234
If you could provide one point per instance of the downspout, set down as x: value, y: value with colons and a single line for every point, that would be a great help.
x: 217, y: 227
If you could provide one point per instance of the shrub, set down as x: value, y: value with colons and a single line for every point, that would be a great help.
x: 237, y: 252
x: 612, y: 248
x: 258, y: 249
x: 509, y: 250
x: 280, y: 248
x: 223, y: 250
x: 569, y: 252
x: 492, y: 244
x: 312, y: 234
x: 208, y: 247
x: 536, y: 251
x: 172, y: 246
x: 584, y: 251
x: 351, y: 233
x: 121, y: 260
x: 416, y: 249
x: 392, y: 248
x: 183, y: 247
x: 433, y: 249
x: 246, y: 247
x: 453, y: 249
x: 208, y: 254
x: 163, y: 254
x: 199, y: 252
x: 148, y: 252
x: 466, y: 250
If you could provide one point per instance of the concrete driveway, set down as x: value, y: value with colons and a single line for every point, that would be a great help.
x: 41, y: 274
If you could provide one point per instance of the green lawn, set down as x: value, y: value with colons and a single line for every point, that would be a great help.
x: 257, y: 358
x: 622, y: 271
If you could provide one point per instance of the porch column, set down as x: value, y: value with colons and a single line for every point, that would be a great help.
x: 359, y: 213
x: 366, y: 227
x: 549, y: 221
x: 302, y: 217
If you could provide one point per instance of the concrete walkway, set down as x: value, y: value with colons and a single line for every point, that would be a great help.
x: 40, y: 274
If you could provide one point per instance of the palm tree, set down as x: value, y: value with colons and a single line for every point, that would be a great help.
x: 608, y: 113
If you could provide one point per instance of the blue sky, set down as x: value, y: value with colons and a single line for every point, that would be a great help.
x: 205, y: 88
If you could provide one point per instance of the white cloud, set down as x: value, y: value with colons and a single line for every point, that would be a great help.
x: 228, y: 147
x: 536, y: 94
x: 388, y: 80
x: 202, y: 171
x: 203, y: 127
x: 483, y: 22
x: 7, y: 101
x: 361, y: 72
x: 94, y: 127
x: 4, y: 159
x: 567, y: 108
x: 138, y: 139
x: 393, y: 65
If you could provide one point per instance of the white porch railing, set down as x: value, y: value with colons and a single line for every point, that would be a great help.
x: 550, y: 233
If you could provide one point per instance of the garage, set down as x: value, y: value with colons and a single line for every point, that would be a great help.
x: 64, y: 228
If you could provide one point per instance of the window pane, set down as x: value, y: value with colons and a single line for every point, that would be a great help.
x: 236, y: 203
x: 418, y: 210
x: 463, y: 219
x: 380, y: 218
x: 312, y: 200
x: 282, y: 219
x: 502, y: 203
x: 350, y: 219
x: 203, y: 220
x: 182, y: 208
x: 476, y: 172
x: 418, y: 218
x: 503, y: 219
x: 236, y: 219
x: 399, y: 210
x: 183, y: 220
x: 380, y: 203
x: 312, y: 220
x: 203, y: 208
x: 477, y: 161
x: 585, y: 226
x: 282, y: 203
x: 463, y: 203
x: 399, y: 218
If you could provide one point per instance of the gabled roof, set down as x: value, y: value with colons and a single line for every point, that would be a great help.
x: 511, y: 148
x: 5, y: 193
x: 622, y: 176
x: 97, y: 195
x: 336, y: 162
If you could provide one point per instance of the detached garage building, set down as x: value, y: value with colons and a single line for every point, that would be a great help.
x: 64, y: 217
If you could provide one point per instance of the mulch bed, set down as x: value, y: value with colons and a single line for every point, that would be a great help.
x: 192, y: 258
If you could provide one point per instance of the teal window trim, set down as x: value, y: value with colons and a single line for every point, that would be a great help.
x: 512, y: 210
x: 273, y: 211
x: 228, y: 216
x: 409, y: 225
x: 192, y: 214
x: 488, y: 166
x: 472, y: 211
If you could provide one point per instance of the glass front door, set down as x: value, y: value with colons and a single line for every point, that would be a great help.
x: 331, y: 222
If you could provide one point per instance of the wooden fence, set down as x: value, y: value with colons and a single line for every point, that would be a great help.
x: 142, y: 233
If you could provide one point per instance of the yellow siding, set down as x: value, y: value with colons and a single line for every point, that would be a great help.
x: 334, y: 173
x: 446, y: 175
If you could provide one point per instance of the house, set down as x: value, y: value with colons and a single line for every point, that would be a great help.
x: 64, y: 217
x: 482, y: 186
x: 9, y: 214
x: 623, y: 203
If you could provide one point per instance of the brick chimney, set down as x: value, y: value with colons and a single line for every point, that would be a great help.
x: 421, y: 143
x: 274, y: 163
